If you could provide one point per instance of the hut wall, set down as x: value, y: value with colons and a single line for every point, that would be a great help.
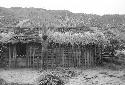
x: 12, y: 55
x: 87, y: 56
x: 63, y: 56
x: 66, y: 56
x: 33, y: 55
x: 70, y: 56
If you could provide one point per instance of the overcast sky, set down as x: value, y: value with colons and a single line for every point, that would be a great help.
x: 77, y: 6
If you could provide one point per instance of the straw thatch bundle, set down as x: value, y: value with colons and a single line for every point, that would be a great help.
x: 55, y: 36
x: 6, y: 37
x: 77, y: 38
x: 12, y: 37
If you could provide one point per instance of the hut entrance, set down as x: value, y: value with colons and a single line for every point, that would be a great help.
x: 21, y: 55
x: 17, y: 55
x: 21, y: 49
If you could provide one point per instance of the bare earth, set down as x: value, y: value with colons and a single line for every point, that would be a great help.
x: 21, y: 76
x: 97, y: 76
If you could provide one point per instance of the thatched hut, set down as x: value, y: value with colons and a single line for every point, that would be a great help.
x: 30, y: 47
x: 77, y: 49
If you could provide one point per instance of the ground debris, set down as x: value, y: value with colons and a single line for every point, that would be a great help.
x: 100, y: 78
x: 50, y: 80
x: 68, y: 76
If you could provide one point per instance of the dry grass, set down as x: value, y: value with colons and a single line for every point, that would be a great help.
x: 95, y: 76
x: 21, y: 76
x: 98, y: 77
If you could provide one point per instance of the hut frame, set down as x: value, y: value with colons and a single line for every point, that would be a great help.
x: 50, y: 50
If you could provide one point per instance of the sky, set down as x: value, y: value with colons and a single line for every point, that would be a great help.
x: 99, y: 7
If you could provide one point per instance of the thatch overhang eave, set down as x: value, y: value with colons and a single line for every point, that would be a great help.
x: 77, y: 38
x: 15, y: 38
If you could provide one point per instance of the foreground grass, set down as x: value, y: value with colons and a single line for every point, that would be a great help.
x: 20, y: 76
x: 93, y: 76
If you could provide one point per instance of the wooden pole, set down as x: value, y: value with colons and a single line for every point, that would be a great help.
x: 59, y: 53
x: 86, y: 56
x: 79, y: 53
x: 34, y: 56
x: 90, y: 57
x: 9, y: 55
x: 41, y: 61
x: 14, y: 55
x: 26, y: 56
x: 30, y: 56
x: 95, y: 54
x: 73, y: 56
x: 83, y: 56
x: 100, y: 54
x: 63, y: 57
x: 90, y: 61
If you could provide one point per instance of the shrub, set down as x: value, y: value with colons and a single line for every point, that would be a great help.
x: 120, y: 57
x: 50, y: 79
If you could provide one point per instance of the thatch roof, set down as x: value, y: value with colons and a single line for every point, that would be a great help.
x: 77, y: 38
x: 26, y: 35
x: 12, y: 37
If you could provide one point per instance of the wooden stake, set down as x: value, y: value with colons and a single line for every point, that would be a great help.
x: 63, y: 57
x: 30, y: 56
x: 9, y: 56
x: 41, y: 61
x: 79, y: 53
x: 85, y: 56
x: 90, y: 56
x: 27, y: 54
x: 14, y: 55
x: 100, y: 54
x: 95, y: 54
x: 34, y: 56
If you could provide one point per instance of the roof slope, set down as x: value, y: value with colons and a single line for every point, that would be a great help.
x: 30, y: 35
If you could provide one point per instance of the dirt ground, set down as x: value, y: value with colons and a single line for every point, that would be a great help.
x: 99, y: 77
x: 93, y: 76
x: 21, y: 76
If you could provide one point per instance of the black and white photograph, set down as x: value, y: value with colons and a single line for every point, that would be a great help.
x: 62, y: 42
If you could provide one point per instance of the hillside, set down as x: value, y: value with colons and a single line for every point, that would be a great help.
x: 12, y: 16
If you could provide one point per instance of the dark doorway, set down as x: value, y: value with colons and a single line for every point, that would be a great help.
x: 21, y: 55
x: 21, y: 49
